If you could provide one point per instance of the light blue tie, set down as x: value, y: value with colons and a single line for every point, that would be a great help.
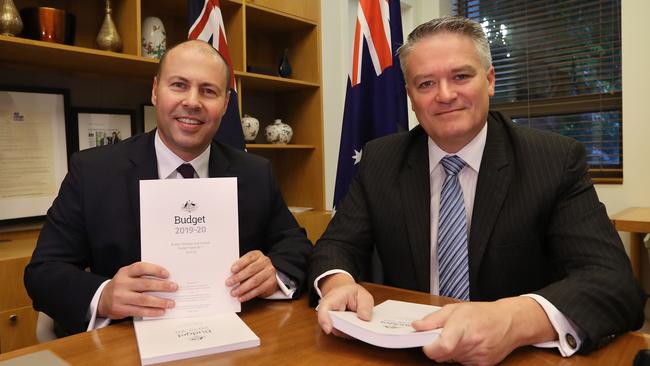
x: 452, y: 234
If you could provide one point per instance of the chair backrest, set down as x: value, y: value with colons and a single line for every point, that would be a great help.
x: 45, y: 328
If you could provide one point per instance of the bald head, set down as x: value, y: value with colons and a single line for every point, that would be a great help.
x: 197, y: 45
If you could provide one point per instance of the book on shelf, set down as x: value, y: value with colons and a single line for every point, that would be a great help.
x: 163, y: 340
x: 390, y: 326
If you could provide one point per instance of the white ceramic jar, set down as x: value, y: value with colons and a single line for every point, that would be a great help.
x: 154, y: 38
x: 278, y: 132
x: 250, y: 126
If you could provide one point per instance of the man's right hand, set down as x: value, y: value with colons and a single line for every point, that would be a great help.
x: 124, y: 295
x: 340, y: 292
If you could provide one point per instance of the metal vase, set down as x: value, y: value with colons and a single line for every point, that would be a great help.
x: 108, y: 39
x: 10, y: 22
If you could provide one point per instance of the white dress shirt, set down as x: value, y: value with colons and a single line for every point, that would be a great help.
x: 167, y: 164
x: 472, y: 154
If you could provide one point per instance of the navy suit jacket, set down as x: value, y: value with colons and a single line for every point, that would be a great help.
x: 94, y: 223
x: 537, y: 227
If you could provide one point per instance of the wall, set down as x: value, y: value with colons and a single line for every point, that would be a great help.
x: 635, y: 190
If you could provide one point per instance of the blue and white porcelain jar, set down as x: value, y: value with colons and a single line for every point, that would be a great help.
x: 278, y: 132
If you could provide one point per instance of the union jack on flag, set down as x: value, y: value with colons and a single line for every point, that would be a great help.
x: 375, y: 101
x: 206, y: 23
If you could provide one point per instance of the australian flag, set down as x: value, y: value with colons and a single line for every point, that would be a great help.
x: 206, y: 23
x: 375, y: 102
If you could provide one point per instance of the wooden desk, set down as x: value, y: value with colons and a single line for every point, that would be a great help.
x: 290, y: 335
x: 636, y: 221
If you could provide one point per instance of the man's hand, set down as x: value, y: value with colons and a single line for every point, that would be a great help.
x: 484, y: 333
x: 253, y: 275
x: 123, y: 295
x: 340, y: 292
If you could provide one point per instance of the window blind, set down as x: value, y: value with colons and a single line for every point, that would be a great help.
x: 558, y: 68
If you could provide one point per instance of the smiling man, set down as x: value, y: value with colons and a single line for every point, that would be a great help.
x: 94, y: 222
x: 471, y: 206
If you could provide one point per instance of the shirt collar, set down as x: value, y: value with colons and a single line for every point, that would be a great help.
x: 168, y: 161
x: 471, y: 153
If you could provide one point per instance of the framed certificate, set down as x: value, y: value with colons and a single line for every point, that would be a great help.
x: 100, y: 127
x: 33, y: 149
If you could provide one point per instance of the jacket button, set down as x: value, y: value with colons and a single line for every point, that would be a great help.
x: 571, y: 341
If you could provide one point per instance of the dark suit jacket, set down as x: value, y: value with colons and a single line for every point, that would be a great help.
x: 95, y: 223
x: 537, y: 227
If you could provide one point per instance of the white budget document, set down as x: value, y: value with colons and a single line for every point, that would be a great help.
x: 190, y: 227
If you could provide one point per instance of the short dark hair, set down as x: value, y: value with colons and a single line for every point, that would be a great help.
x: 203, y: 45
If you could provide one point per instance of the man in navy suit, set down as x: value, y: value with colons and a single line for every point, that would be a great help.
x: 542, y: 263
x: 190, y: 94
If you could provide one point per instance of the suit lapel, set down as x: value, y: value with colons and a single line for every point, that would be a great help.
x: 142, y: 155
x: 219, y: 164
x: 494, y: 180
x: 416, y: 198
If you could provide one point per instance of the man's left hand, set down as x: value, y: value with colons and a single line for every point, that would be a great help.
x: 484, y: 333
x: 253, y: 275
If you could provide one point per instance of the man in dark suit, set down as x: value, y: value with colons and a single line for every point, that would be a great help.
x: 191, y: 95
x: 535, y: 252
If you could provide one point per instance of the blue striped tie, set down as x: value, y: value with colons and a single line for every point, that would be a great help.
x: 452, y: 233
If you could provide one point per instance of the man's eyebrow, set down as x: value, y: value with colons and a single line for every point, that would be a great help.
x: 464, y: 68
x: 177, y: 77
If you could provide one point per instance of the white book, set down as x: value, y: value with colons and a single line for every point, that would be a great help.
x: 390, y: 326
x: 163, y: 340
x: 190, y: 227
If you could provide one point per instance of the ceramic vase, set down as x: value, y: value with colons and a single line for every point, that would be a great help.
x: 284, y: 69
x: 10, y: 22
x: 154, y: 38
x: 250, y: 126
x: 108, y: 39
x: 278, y: 132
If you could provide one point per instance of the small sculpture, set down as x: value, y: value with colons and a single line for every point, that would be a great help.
x: 250, y: 126
x: 278, y: 132
x: 284, y: 69
x: 154, y: 38
x: 10, y: 22
x: 108, y: 39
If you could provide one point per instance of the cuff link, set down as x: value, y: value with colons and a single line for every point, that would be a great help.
x: 570, y: 340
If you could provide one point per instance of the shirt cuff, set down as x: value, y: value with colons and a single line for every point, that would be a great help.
x: 325, y: 274
x: 96, y: 322
x: 286, y: 288
x: 568, y: 341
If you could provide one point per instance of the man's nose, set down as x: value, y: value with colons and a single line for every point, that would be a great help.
x: 446, y: 92
x: 192, y: 99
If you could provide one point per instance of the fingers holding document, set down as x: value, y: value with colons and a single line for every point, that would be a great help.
x: 484, y: 333
x: 253, y: 276
x: 341, y: 292
x: 124, y: 295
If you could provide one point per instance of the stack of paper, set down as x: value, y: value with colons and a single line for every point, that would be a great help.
x: 190, y: 227
x: 173, y: 339
x: 390, y: 326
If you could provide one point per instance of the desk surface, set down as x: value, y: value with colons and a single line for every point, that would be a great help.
x: 633, y: 219
x: 290, y: 335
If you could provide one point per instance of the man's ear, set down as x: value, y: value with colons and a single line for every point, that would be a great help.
x: 226, y: 101
x: 491, y: 80
x: 154, y: 97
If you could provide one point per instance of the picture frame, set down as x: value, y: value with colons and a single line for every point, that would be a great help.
x: 94, y: 127
x: 33, y: 149
x: 148, y: 117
